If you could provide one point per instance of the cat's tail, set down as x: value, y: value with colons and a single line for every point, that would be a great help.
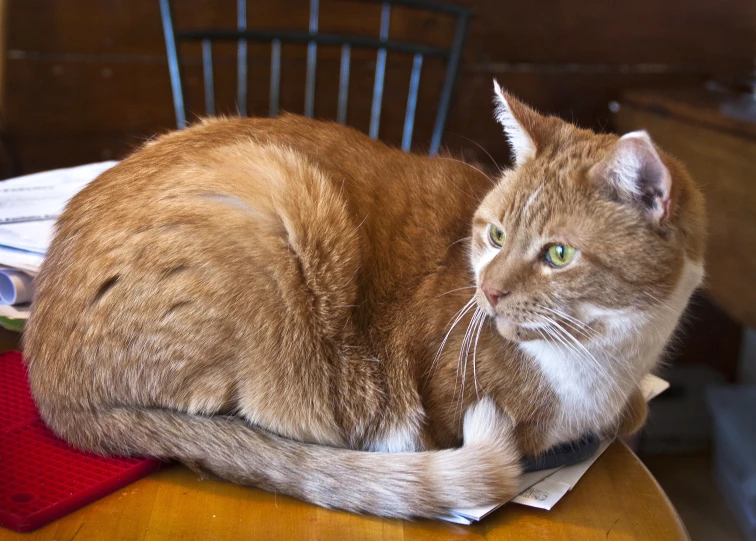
x: 421, y: 484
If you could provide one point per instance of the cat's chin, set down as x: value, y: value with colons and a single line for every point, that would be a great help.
x: 515, y: 332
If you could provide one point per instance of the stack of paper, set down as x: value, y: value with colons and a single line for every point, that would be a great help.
x: 543, y: 489
x: 29, y: 206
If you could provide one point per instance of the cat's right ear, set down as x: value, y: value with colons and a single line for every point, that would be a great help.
x: 634, y: 172
x: 520, y: 124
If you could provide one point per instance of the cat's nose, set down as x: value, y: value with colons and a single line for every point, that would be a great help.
x: 493, y: 294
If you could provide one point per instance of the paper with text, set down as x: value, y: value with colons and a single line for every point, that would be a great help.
x: 42, y: 196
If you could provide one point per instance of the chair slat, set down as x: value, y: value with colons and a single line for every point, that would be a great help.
x: 451, y: 76
x: 171, y: 49
x: 275, y: 77
x: 346, y: 54
x: 409, y: 116
x: 241, y: 59
x: 207, y: 73
x: 312, y: 57
x: 319, y: 38
x: 380, y: 73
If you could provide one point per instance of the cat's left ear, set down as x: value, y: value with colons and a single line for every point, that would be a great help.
x: 634, y: 173
x: 521, y: 125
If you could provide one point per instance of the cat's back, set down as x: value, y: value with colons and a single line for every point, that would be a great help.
x: 220, y: 239
x: 160, y: 267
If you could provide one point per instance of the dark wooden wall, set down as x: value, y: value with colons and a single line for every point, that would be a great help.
x: 87, y: 80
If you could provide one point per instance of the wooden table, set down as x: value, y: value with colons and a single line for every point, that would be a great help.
x: 618, y: 499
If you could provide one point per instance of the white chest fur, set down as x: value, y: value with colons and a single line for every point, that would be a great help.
x: 594, y: 381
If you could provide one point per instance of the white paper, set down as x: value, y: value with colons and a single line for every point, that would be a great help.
x: 30, y: 236
x: 652, y: 386
x: 43, y: 196
x: 29, y: 206
x: 14, y: 312
x: 543, y: 495
x: 525, y: 481
x: 572, y: 474
x: 458, y: 519
x: 19, y: 259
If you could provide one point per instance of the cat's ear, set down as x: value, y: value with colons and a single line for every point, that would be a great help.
x: 635, y: 173
x: 520, y: 122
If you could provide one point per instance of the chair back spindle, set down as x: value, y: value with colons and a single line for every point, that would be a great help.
x: 241, y: 58
x: 380, y: 72
x: 346, y: 56
x: 243, y: 34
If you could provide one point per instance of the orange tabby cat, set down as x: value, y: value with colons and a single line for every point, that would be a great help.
x: 287, y: 304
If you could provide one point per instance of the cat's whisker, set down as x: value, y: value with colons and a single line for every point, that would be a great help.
x: 457, y: 242
x: 362, y: 222
x: 586, y: 329
x: 468, y: 165
x: 602, y: 374
x: 458, y: 289
x: 585, y: 355
x: 555, y: 336
x: 557, y: 333
x: 578, y: 330
x: 464, y: 353
x: 610, y: 380
x: 356, y: 273
x: 459, y: 315
x: 461, y: 312
x: 578, y: 326
x: 496, y: 165
x: 459, y: 362
x: 477, y: 316
x: 659, y: 303
x: 475, y: 355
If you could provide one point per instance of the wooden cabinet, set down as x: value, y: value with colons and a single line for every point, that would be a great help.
x: 714, y: 134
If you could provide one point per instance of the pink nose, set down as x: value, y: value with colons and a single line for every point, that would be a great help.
x: 493, y: 295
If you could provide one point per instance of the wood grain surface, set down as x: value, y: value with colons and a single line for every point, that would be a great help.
x: 617, y: 500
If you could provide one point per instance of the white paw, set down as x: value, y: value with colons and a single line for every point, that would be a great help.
x: 486, y: 423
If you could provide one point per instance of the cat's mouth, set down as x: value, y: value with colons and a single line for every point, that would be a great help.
x: 511, y: 328
x: 518, y: 331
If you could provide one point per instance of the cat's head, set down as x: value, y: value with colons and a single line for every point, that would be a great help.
x: 587, y: 232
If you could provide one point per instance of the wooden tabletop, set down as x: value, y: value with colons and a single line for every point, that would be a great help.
x: 617, y: 499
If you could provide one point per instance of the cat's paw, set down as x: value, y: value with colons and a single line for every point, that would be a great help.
x: 486, y: 423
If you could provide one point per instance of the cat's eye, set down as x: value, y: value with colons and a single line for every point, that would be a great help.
x: 496, y: 235
x: 559, y: 255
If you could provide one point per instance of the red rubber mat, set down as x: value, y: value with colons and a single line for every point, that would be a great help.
x: 42, y: 478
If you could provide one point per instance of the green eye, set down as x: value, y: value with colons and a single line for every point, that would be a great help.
x: 496, y: 235
x: 559, y: 255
